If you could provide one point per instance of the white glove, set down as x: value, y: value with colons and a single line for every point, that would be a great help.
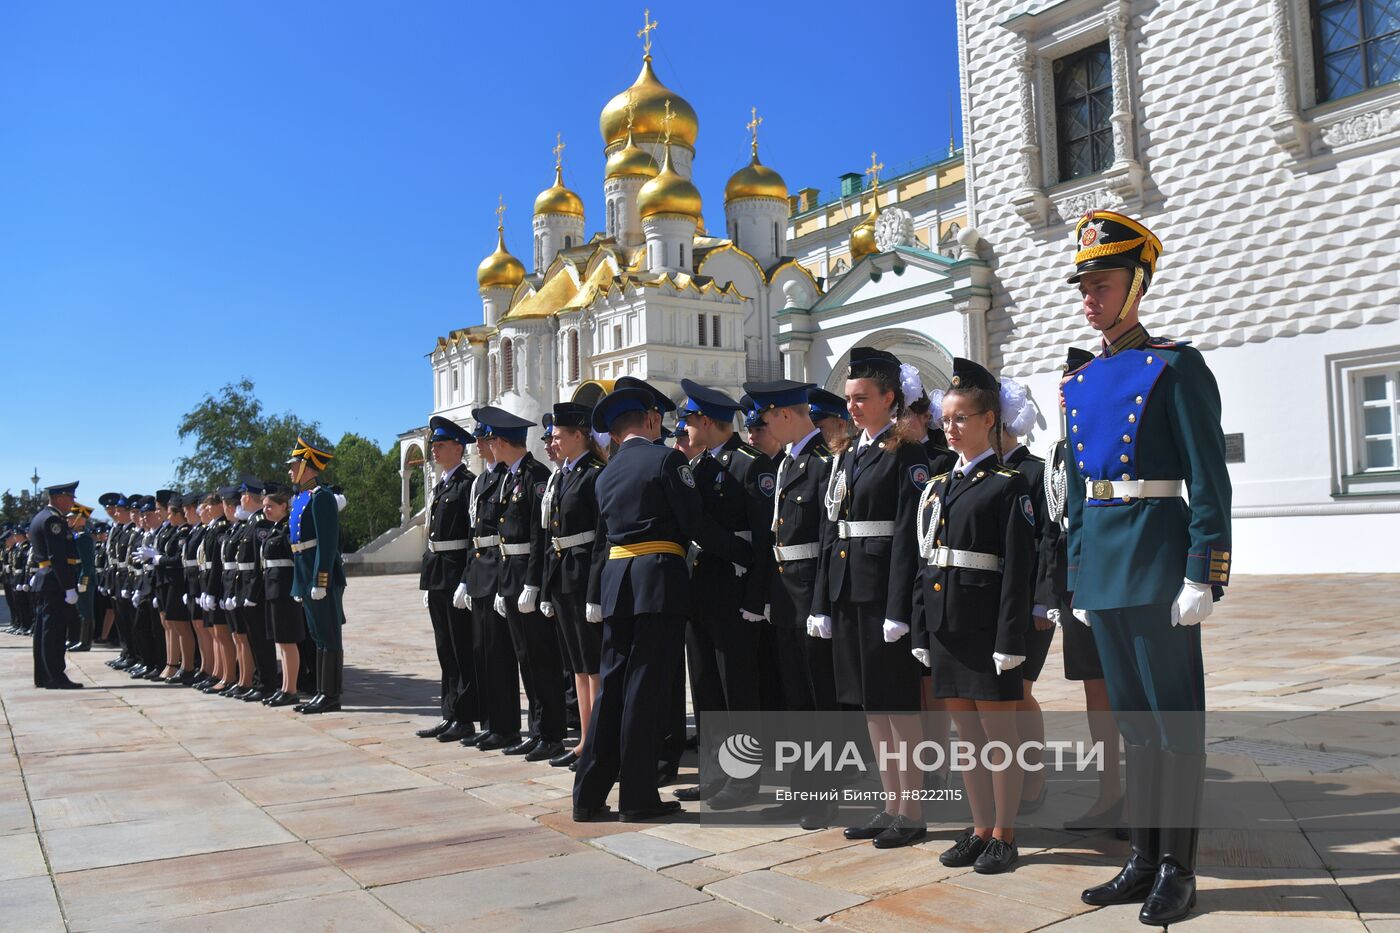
x: 297, y: 598
x: 528, y: 598
x: 185, y: 598
x: 1006, y: 662
x: 740, y: 570
x: 547, y: 609
x: 250, y: 604
x: 593, y: 612
x: 318, y: 592
x: 1082, y: 615
x: 155, y: 602
x: 1193, y: 604
x: 894, y: 631
x: 147, y: 553
x: 459, y: 596
x: 925, y: 658
x: 499, y: 604
x: 33, y: 582
x: 71, y: 597
x: 136, y: 599
x: 819, y: 626
x: 126, y: 594
x: 1054, y: 616
x: 425, y: 599
x: 750, y: 616
x: 339, y: 502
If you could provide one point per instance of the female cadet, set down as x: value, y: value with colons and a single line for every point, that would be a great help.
x: 179, y: 637
x: 569, y: 515
x: 285, y: 620
x: 197, y: 514
x: 80, y: 637
x: 866, y: 578
x: 976, y: 531
x: 211, y: 582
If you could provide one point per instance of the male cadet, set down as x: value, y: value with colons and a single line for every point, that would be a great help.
x: 319, y: 576
x: 123, y: 512
x: 829, y: 413
x: 79, y: 635
x: 649, y: 512
x: 444, y: 566
x: 759, y: 435
x: 114, y: 504
x: 1148, y: 500
x: 806, y: 681
x: 517, y: 506
x: 54, y: 585
x: 496, y: 667
x: 736, y: 484
x: 13, y: 577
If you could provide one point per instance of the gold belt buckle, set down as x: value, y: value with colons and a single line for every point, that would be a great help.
x: 1103, y: 489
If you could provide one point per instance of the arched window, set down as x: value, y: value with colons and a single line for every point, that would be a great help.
x: 539, y: 251
x: 493, y: 376
x: 612, y: 218
x: 682, y: 262
x: 507, y: 365
x: 568, y: 242
x: 777, y: 249
x: 573, y: 355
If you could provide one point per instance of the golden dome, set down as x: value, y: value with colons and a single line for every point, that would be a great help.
x: 755, y: 180
x: 669, y: 193
x: 500, y: 269
x: 633, y: 160
x: 649, y: 96
x: 557, y: 199
x: 863, y: 238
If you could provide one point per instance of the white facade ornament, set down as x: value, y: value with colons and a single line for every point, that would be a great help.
x: 1362, y: 127
x: 1076, y: 205
x: 894, y: 227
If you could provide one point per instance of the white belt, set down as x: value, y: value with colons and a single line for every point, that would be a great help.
x: 1135, y: 489
x: 248, y: 566
x: 797, y: 551
x: 279, y: 562
x: 864, y: 529
x: 189, y: 563
x: 967, y: 560
x: 515, y: 550
x: 568, y: 541
x: 487, y: 541
x: 461, y: 544
x: 303, y: 546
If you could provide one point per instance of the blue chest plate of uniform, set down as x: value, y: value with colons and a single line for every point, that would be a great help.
x: 300, y: 502
x: 1106, y: 400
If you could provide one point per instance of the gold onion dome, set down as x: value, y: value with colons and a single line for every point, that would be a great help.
x: 755, y: 180
x: 863, y: 237
x: 500, y: 269
x: 669, y: 193
x: 556, y: 199
x: 649, y: 96
x: 632, y: 160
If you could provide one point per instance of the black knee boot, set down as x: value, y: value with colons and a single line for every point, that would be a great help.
x: 1133, y: 883
x: 320, y: 682
x: 329, y: 673
x: 1174, y: 888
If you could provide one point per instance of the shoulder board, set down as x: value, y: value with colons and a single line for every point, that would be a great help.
x: 824, y: 458
x: 1167, y: 343
x: 753, y: 453
x: 939, y: 477
x: 1003, y: 471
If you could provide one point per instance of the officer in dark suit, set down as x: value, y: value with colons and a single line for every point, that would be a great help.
x: 1144, y: 565
x: 441, y: 578
x: 650, y: 512
x: 320, y: 576
x: 54, y: 586
x: 517, y: 508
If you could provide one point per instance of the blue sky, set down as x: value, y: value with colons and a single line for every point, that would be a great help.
x: 299, y: 192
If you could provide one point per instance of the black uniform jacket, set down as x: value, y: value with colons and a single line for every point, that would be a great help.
x: 737, y: 488
x: 1033, y: 469
x: 573, y: 510
x: 483, y: 563
x: 52, y: 549
x: 801, y: 520
x: 277, y: 546
x: 250, y: 542
x: 517, y: 502
x: 211, y: 563
x: 449, y: 519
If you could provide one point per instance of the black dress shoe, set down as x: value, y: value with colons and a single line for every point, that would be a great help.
x: 471, y: 741
x: 544, y: 751
x: 253, y: 696
x: 64, y: 685
x: 301, y: 707
x: 574, y: 767
x: 698, y: 792
x: 1172, y: 897
x: 322, y: 704
x: 735, y: 795
x: 152, y: 674
x: 137, y: 671
x: 495, y: 740
x: 284, y: 699
x: 996, y: 858
x: 277, y: 695
x: 1129, y: 886
x: 902, y: 832
x: 455, y: 732
x: 877, y: 825
x: 818, y: 817
x: 185, y: 678
x: 964, y: 852
x: 591, y: 814
x: 523, y: 747
x: 664, y: 808
x: 433, y: 732
x: 69, y: 645
x: 237, y: 691
x: 564, y: 760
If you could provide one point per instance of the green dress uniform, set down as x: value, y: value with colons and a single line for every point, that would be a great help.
x: 319, y: 578
x: 1144, y: 434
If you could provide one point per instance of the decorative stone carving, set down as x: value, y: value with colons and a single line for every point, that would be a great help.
x: 894, y: 227
x: 1362, y: 127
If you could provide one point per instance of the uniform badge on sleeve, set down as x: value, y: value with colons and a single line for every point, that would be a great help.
x: 767, y: 482
x: 55, y: 527
x: 918, y: 474
x: 687, y: 476
x: 539, y: 489
x: 1027, y: 511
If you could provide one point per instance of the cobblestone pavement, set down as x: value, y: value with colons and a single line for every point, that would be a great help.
x: 133, y: 804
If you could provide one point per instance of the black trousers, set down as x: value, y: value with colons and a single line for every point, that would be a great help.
x: 50, y: 631
x: 723, y: 649
x: 640, y: 658
x: 497, y: 669
x: 453, y: 638
x: 149, y: 634
x: 541, y: 670
x: 125, y: 614
x: 253, y: 621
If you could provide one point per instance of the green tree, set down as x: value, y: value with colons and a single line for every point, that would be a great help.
x: 369, y: 479
x: 233, y: 436
x: 19, y: 508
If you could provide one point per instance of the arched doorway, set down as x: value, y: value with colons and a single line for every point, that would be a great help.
x: 933, y: 360
x: 411, y: 481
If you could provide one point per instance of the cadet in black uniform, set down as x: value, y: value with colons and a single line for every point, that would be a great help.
x: 863, y: 596
x: 283, y: 618
x: 650, y: 513
x: 118, y: 506
x: 197, y: 515
x: 174, y: 604
x: 829, y: 413
x: 228, y: 603
x: 211, y: 585
x: 570, y: 518
x: 976, y: 534
x: 80, y: 628
x: 440, y: 577
x: 517, y: 507
x: 150, y: 633
x: 54, y: 586
x: 249, y: 592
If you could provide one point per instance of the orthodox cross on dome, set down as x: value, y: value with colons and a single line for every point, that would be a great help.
x: 666, y: 120
x: 500, y: 212
x: 648, y: 24
x: 755, y: 121
x: 558, y: 151
x: 874, y: 172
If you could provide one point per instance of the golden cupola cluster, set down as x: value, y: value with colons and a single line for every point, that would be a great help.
x: 755, y: 180
x: 500, y: 269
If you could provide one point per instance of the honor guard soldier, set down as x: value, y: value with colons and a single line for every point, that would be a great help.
x: 1148, y: 500
x: 441, y: 577
x: 650, y: 512
x: 517, y: 507
x: 54, y: 586
x: 319, y: 580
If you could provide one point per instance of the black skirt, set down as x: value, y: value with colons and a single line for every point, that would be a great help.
x: 173, y: 605
x: 871, y: 673
x: 286, y: 622
x: 582, y: 640
x: 1081, y: 654
x: 1037, y: 650
x: 962, y: 668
